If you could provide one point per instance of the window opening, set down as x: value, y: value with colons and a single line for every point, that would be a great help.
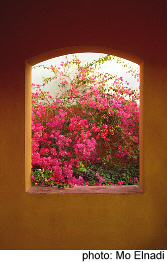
x: 85, y: 121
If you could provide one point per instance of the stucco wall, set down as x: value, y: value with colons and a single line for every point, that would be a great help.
x: 82, y: 221
x: 110, y: 67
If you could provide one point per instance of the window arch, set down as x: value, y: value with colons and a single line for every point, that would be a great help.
x: 94, y: 189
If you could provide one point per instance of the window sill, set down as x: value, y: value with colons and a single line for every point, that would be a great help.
x: 134, y: 189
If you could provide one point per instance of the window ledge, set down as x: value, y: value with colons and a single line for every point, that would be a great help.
x: 134, y: 189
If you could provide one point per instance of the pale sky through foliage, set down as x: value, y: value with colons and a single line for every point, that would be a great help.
x: 108, y: 67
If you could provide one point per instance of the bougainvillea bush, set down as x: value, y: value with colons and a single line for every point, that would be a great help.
x: 89, y: 133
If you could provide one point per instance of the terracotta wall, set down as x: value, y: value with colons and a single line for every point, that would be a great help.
x: 82, y: 221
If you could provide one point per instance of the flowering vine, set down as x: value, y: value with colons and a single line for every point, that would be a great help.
x: 89, y: 133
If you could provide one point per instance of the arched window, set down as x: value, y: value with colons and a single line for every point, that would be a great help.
x: 85, y: 124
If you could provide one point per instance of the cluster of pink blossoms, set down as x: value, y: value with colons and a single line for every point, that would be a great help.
x: 56, y: 150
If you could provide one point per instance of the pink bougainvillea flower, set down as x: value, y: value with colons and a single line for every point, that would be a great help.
x: 120, y: 182
x: 130, y: 180
x: 136, y: 180
x: 108, y: 157
x: 86, y: 183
